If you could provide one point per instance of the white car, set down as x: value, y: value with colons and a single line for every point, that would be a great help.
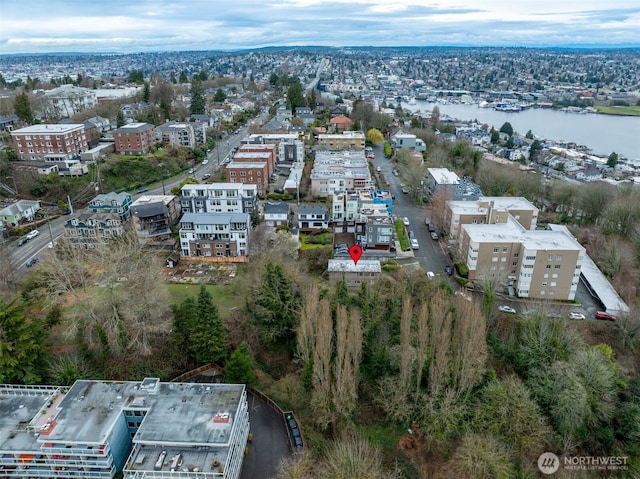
x: 507, y: 309
x: 430, y: 275
x: 575, y: 315
x: 414, y: 244
x: 33, y: 234
x: 405, y: 221
x: 378, y: 169
x: 204, y: 162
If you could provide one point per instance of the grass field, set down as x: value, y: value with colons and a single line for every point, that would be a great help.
x: 619, y: 110
x: 225, y: 296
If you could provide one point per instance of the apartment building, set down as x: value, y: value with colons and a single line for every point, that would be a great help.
x: 176, y: 133
x: 20, y: 211
x: 537, y: 264
x: 456, y: 189
x: 144, y: 429
x: 214, y: 235
x: 134, y: 139
x: 347, y: 140
x: 255, y: 173
x: 256, y: 152
x: 116, y: 203
x: 339, y: 171
x: 50, y: 143
x: 152, y: 217
x: 89, y: 230
x: 66, y: 100
x: 290, y: 147
x: 489, y: 210
x: 218, y: 198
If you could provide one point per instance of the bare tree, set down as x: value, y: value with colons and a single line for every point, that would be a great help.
x: 439, y: 341
x: 347, y: 361
x: 405, y: 343
x: 438, y: 203
x: 306, y: 336
x: 468, y: 346
x: 321, y: 397
x: 423, y: 343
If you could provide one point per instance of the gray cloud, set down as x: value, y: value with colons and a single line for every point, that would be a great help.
x: 78, y: 25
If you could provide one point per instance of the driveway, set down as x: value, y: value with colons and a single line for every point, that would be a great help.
x: 270, y: 441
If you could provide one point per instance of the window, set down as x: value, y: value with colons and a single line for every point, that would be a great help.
x: 494, y: 259
x: 544, y: 283
x: 515, y: 263
x: 495, y: 250
x: 557, y: 266
x: 554, y: 275
x: 546, y: 275
x: 243, y: 173
x: 558, y: 258
x: 550, y: 258
x: 553, y: 283
x: 548, y: 266
x: 504, y: 250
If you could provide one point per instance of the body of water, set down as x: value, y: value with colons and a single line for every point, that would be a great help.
x: 602, y: 134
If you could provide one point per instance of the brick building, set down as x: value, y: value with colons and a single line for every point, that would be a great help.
x: 134, y: 139
x: 49, y: 142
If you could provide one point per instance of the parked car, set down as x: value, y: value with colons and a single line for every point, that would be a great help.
x: 576, y: 315
x: 204, y: 162
x: 605, y: 316
x: 507, y: 309
x: 405, y: 221
x: 371, y: 156
x: 448, y: 269
x: 395, y: 172
x: 22, y: 241
x: 430, y: 274
x: 206, y: 175
x: 31, y: 261
x: 405, y: 190
x: 412, y: 235
x: 378, y: 169
x: 142, y: 190
x: 431, y: 228
x: 434, y: 236
x: 415, y: 244
x: 33, y: 234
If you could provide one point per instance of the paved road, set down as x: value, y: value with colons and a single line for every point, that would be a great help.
x: 270, y: 442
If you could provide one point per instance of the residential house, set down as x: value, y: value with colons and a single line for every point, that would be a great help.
x: 348, y: 140
x: 214, y: 235
x: 134, y: 139
x: 19, y: 212
x: 445, y: 180
x: 312, y: 218
x: 102, y: 124
x: 8, y: 122
x: 176, y: 133
x: 89, y: 230
x: 218, y: 198
x: 152, y: 217
x: 276, y: 214
x: 50, y: 143
x: 338, y: 110
x: 340, y: 123
x: 116, y: 203
x: 407, y: 141
x: 354, y: 274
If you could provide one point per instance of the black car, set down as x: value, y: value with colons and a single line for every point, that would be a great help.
x: 22, y: 241
x: 31, y: 261
x: 448, y: 269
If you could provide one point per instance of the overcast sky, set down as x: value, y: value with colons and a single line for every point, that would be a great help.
x: 32, y: 26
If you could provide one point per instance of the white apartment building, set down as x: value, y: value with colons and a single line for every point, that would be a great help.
x: 146, y: 429
x: 339, y: 171
x: 65, y: 101
x: 219, y: 198
x: 214, y: 235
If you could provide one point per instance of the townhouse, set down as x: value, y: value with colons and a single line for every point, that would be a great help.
x: 214, y: 235
x: 89, y: 230
x: 152, y: 217
x: 117, y: 203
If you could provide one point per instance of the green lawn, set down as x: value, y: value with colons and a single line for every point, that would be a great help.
x: 619, y: 110
x: 225, y: 296
x: 319, y: 241
x: 402, y: 236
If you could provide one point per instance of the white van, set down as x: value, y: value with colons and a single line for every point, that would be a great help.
x: 33, y: 234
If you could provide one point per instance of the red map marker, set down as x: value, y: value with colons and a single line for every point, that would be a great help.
x: 355, y: 251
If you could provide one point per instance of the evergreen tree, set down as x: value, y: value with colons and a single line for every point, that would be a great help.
x: 507, y: 128
x: 120, y: 119
x: 529, y: 135
x: 208, y: 337
x: 612, y: 160
x: 274, y: 304
x: 146, y: 92
x: 22, y: 107
x: 172, y: 78
x: 239, y: 368
x: 183, y: 77
x: 219, y: 96
x: 22, y: 348
x: 198, y: 104
x: 295, y: 95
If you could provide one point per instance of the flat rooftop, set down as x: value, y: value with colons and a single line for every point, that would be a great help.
x: 444, y: 176
x: 348, y: 266
x: 46, y: 128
